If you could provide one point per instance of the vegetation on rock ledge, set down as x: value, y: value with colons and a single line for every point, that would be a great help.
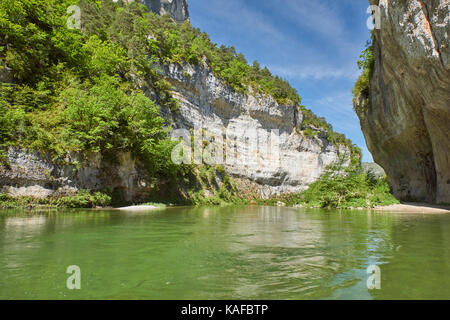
x: 361, y: 89
x: 342, y: 187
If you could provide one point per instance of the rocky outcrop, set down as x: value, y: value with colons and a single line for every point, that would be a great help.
x: 34, y: 174
x: 263, y: 141
x: 405, y: 115
x: 373, y: 169
x: 261, y: 144
x: 264, y: 147
x: 178, y: 9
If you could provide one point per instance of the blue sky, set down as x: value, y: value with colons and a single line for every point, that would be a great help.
x: 314, y: 44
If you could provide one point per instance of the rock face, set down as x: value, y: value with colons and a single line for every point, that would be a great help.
x: 405, y: 116
x: 36, y: 175
x: 260, y: 143
x: 264, y: 148
x: 374, y: 169
x: 263, y: 141
x: 178, y: 9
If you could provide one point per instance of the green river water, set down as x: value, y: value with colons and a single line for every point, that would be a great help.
x: 224, y: 253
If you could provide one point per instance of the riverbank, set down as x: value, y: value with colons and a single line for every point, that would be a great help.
x: 143, y: 207
x: 101, y: 202
x: 414, y: 208
x: 405, y: 208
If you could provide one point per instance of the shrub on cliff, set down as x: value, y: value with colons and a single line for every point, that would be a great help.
x: 366, y: 64
x: 311, y: 119
x: 179, y: 43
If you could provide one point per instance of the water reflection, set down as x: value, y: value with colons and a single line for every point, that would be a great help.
x: 419, y: 265
x: 224, y: 253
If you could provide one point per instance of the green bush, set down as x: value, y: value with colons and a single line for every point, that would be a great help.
x: 83, y: 199
x: 345, y: 187
x: 361, y: 88
x: 222, y: 194
x: 310, y: 133
x: 311, y: 119
x: 342, y: 186
x: 220, y: 169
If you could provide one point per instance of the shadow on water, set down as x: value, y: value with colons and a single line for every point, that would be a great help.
x: 223, y: 253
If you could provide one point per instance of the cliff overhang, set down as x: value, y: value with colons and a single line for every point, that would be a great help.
x: 405, y: 113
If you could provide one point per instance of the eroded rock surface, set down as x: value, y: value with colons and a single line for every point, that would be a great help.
x: 33, y: 174
x: 266, y: 149
x: 263, y: 141
x: 405, y: 116
x: 178, y: 9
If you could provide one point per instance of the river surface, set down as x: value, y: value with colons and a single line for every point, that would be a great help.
x: 224, y: 253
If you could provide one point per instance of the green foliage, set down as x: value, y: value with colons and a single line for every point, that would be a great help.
x: 343, y: 186
x: 367, y: 59
x: 75, y: 91
x: 222, y: 197
x: 35, y: 36
x: 310, y: 133
x: 366, y: 64
x: 220, y: 170
x: 83, y: 199
x: 219, y: 193
x: 78, y: 90
x: 350, y: 188
x: 180, y: 43
x: 311, y: 120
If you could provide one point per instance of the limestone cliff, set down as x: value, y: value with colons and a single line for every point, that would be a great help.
x: 295, y: 160
x: 34, y: 174
x: 263, y: 161
x: 405, y: 114
x: 178, y: 9
x: 271, y: 151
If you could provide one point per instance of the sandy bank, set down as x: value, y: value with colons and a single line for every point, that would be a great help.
x: 140, y: 208
x: 414, y: 208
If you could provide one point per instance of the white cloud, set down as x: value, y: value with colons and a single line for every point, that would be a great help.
x: 236, y: 14
x: 325, y: 19
x: 315, y: 72
x: 315, y: 15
